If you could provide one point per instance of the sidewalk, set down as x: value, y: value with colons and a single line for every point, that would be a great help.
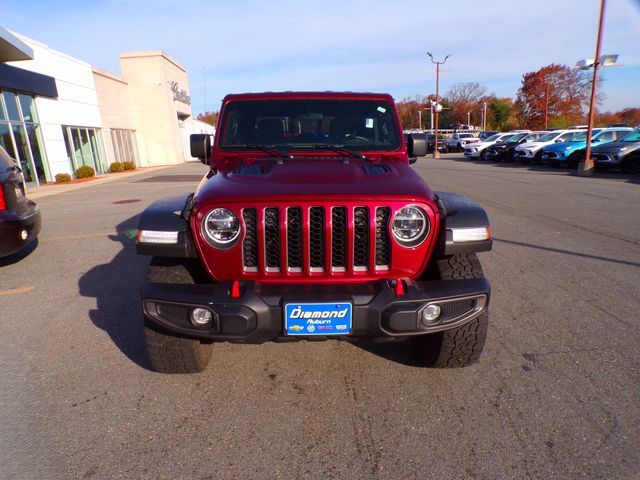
x: 56, y: 188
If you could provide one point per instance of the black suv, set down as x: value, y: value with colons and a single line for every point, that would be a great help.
x: 19, y: 217
x: 623, y: 154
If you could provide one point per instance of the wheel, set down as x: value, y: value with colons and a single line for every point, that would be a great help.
x: 483, y: 155
x: 631, y: 164
x: 538, y: 158
x: 167, y: 352
x: 460, y: 346
x: 458, y: 147
x: 508, y: 156
x: 574, y: 159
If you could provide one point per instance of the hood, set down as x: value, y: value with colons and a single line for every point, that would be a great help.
x: 613, y: 147
x: 313, y: 177
x: 565, y: 146
x: 534, y: 144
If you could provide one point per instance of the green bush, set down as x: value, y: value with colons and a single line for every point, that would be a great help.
x: 129, y: 165
x: 116, y: 167
x: 63, y: 177
x: 85, y: 171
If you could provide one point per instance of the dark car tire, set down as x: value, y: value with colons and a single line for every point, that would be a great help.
x: 462, y: 346
x: 538, y: 158
x: 574, y: 159
x: 167, y: 352
x: 631, y: 164
x: 483, y: 155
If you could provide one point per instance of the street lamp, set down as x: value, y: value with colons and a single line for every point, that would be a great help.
x: 436, y: 153
x: 586, y: 166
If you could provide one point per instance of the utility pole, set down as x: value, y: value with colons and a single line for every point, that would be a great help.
x: 546, y: 106
x: 436, y: 153
x: 484, y: 116
x: 419, y: 119
x: 585, y: 168
x: 468, y: 119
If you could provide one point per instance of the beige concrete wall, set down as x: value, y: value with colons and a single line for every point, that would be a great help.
x: 149, y: 76
x: 115, y: 108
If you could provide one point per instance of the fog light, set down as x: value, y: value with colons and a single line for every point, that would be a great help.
x: 431, y: 314
x: 201, y: 317
x: 24, y: 234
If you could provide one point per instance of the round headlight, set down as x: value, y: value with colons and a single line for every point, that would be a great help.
x: 221, y: 228
x: 410, y: 226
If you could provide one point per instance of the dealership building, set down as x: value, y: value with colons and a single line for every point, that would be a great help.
x: 58, y: 113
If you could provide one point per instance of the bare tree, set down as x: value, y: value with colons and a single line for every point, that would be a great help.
x: 465, y: 97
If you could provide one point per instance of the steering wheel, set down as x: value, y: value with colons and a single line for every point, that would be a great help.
x: 356, y: 139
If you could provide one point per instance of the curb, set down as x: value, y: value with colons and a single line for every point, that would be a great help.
x: 46, y: 191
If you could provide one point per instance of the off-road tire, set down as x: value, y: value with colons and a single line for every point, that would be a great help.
x: 462, y: 346
x: 167, y: 352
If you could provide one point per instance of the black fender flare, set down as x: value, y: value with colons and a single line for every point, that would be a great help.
x: 169, y: 214
x: 457, y: 214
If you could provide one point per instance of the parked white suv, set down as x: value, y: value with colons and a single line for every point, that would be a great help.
x: 475, y: 150
x: 532, y: 151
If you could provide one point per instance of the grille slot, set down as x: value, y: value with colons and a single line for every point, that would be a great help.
x: 294, y: 239
x: 383, y: 249
x: 361, y: 238
x: 316, y: 238
x: 452, y: 310
x: 272, y: 239
x: 174, y: 313
x: 250, y: 242
x: 339, y: 238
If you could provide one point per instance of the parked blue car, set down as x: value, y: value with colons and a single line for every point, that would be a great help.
x: 570, y: 152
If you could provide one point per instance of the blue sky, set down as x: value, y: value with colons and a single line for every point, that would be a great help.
x: 342, y: 44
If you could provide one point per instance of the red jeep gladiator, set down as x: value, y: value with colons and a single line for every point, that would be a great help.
x: 311, y: 224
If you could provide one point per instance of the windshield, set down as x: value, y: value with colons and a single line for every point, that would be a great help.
x: 532, y: 137
x: 549, y: 137
x: 492, y: 138
x: 359, y: 124
x: 516, y: 137
x: 582, y: 136
x: 632, y: 137
x: 506, y: 138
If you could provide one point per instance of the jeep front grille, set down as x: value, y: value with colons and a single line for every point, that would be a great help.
x: 314, y: 239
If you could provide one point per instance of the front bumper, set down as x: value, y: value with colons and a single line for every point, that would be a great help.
x: 607, y: 160
x: 553, y: 157
x: 256, y: 315
x: 470, y: 153
x: 12, y: 227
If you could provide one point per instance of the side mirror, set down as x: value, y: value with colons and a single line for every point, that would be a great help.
x: 201, y: 147
x: 416, y: 145
x: 595, y: 140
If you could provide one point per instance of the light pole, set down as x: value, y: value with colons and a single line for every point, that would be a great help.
x: 585, y: 168
x: 436, y: 153
x: 546, y: 106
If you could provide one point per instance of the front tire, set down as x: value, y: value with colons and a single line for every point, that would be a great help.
x: 574, y: 159
x: 631, y: 165
x: 167, y: 352
x: 462, y: 346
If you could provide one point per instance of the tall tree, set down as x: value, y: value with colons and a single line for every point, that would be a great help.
x: 568, y: 95
x: 465, y: 98
x: 208, y: 117
x: 500, y: 109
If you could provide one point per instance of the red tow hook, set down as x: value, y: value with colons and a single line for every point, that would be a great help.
x: 235, y: 289
x: 399, y: 288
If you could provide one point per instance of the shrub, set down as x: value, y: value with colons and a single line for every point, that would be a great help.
x: 116, y: 167
x: 85, y: 171
x: 129, y: 165
x: 63, y: 177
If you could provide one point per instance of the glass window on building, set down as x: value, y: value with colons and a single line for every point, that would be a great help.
x: 124, y: 145
x: 84, y: 147
x: 20, y: 135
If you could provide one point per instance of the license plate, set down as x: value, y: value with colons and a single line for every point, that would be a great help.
x: 318, y: 318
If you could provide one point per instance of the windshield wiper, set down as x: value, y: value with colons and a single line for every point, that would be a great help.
x: 333, y: 148
x: 270, y: 149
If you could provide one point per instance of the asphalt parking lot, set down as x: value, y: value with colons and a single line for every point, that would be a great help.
x: 555, y: 395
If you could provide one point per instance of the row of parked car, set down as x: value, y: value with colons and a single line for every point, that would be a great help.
x: 613, y: 148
